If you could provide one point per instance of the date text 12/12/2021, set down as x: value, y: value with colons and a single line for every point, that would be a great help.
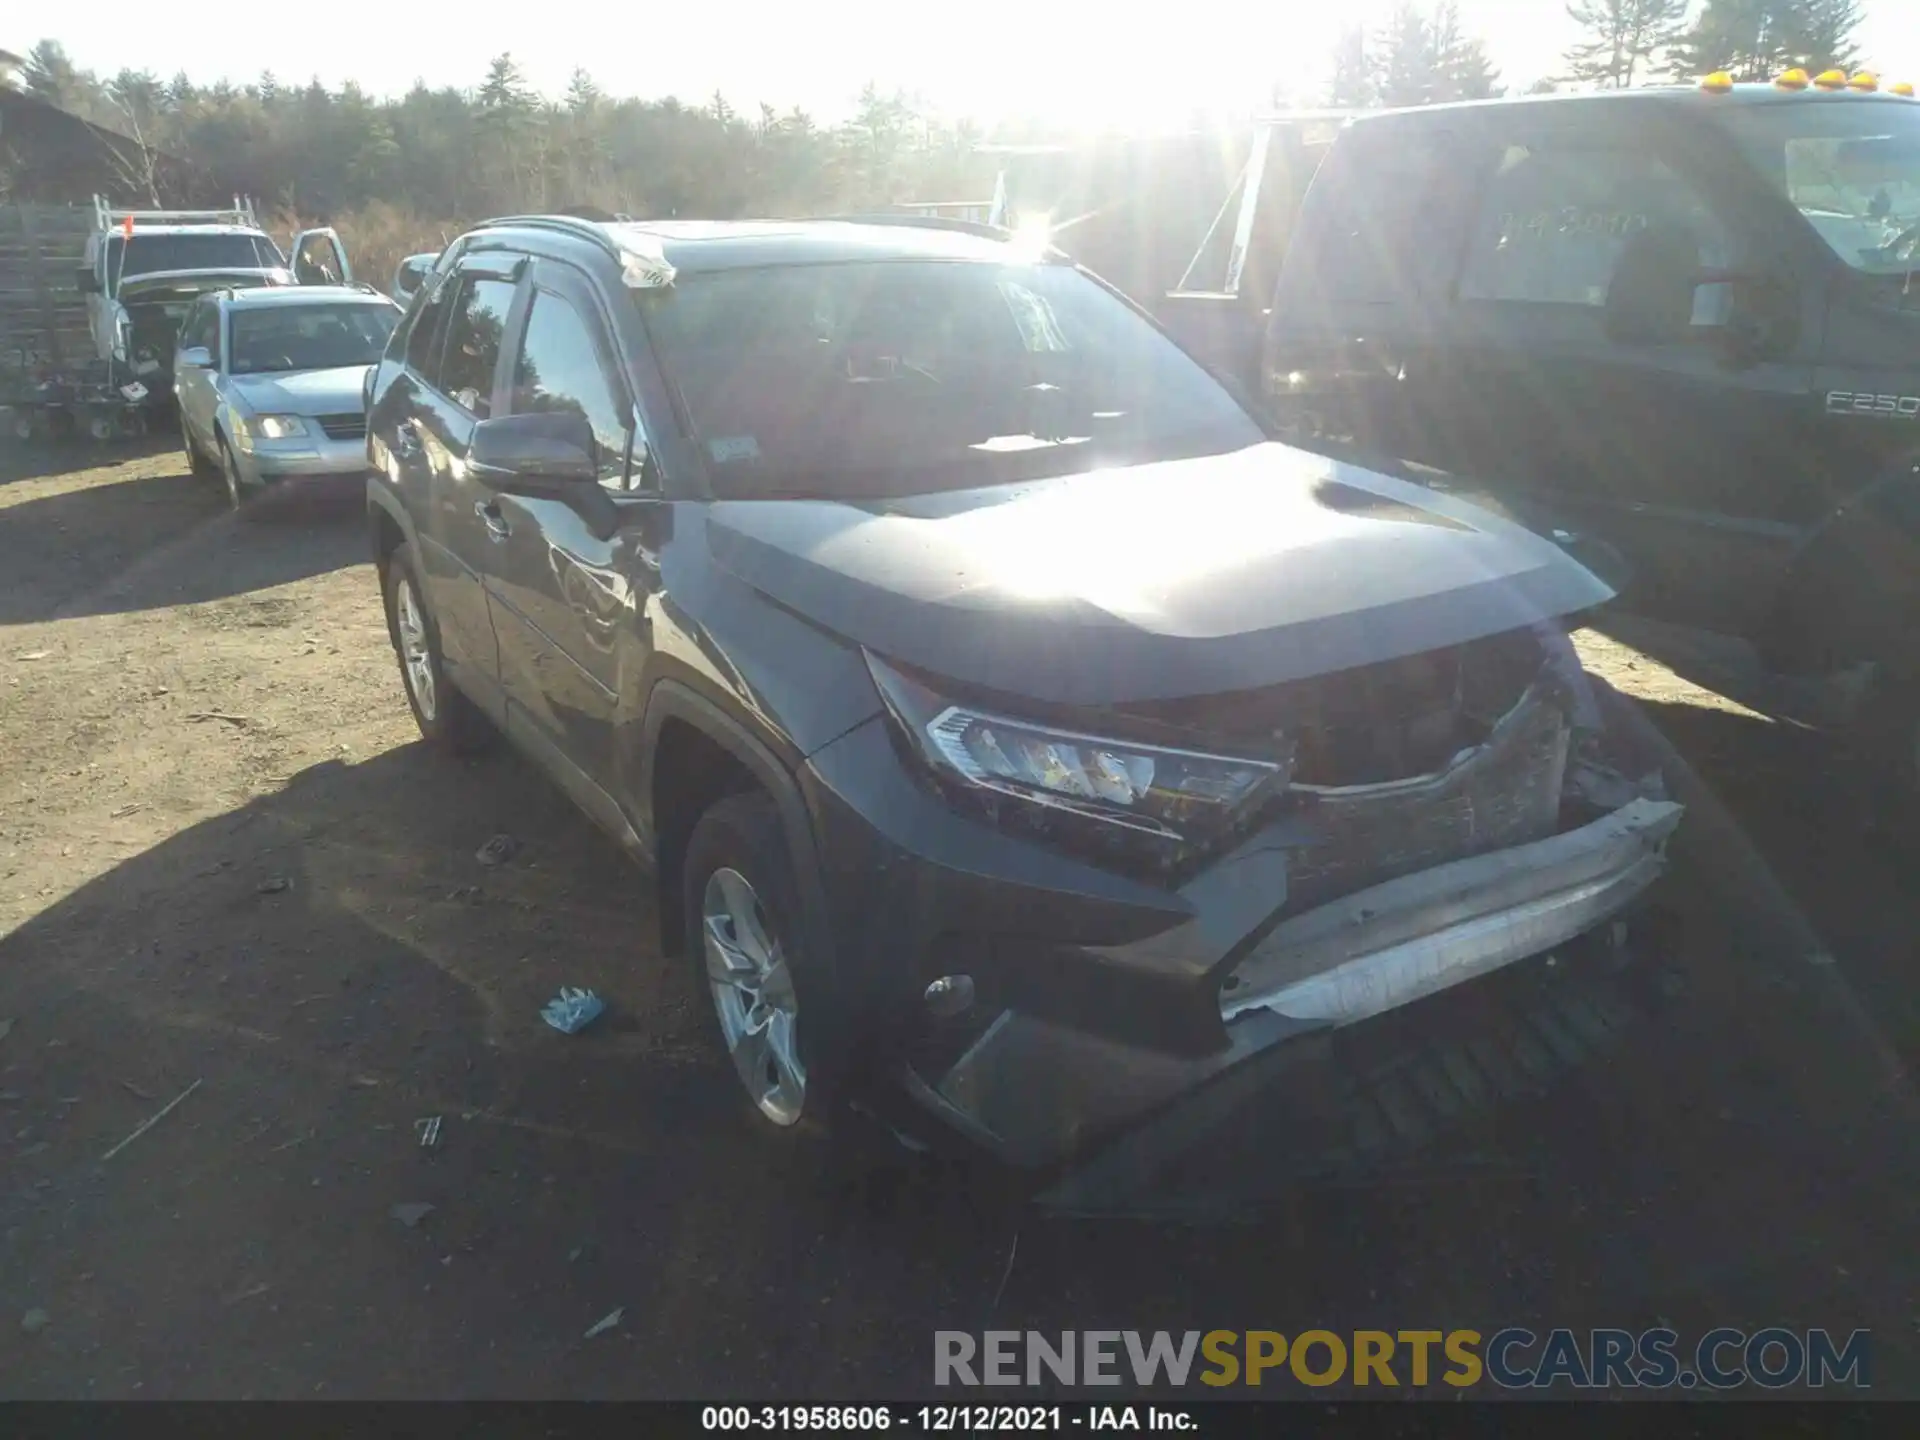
x: 945, y: 1419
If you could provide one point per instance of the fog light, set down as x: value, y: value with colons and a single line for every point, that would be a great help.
x: 950, y: 994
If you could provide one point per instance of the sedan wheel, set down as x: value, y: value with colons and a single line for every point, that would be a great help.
x: 753, y: 996
x: 230, y: 472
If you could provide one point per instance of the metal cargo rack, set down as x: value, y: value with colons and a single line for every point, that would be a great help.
x: 242, y: 212
x: 51, y: 383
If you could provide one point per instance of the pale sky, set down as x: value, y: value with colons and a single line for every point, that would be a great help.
x: 1061, y: 60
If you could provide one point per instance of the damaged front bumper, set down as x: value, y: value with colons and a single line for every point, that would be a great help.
x: 1040, y: 1090
x: 1398, y: 942
x: 1102, y: 1002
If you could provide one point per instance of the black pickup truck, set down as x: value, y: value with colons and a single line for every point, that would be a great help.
x: 1681, y: 324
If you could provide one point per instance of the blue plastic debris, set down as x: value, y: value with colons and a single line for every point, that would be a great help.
x: 573, y: 1010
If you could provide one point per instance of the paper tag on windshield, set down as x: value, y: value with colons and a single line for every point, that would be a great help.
x: 733, y: 447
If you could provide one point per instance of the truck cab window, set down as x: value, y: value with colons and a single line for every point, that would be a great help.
x: 1555, y: 221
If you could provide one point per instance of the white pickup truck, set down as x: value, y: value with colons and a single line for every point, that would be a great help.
x: 143, y: 269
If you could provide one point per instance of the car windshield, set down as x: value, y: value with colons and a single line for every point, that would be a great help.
x: 873, y: 379
x: 310, y: 337
x: 155, y: 254
x: 1852, y: 168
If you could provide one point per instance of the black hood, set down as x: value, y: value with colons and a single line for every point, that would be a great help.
x: 1188, y: 577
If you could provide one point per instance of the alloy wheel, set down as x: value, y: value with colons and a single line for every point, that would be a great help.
x: 416, y: 659
x: 753, y: 996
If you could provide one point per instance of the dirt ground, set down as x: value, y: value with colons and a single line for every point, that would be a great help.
x: 227, y: 870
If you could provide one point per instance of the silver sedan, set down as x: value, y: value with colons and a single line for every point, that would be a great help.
x: 270, y: 384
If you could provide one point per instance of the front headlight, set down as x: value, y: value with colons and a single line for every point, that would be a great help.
x: 274, y: 427
x: 1178, y: 795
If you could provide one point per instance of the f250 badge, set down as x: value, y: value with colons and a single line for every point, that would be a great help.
x: 1890, y: 407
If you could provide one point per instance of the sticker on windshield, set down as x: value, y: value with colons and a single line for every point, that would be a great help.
x: 733, y: 447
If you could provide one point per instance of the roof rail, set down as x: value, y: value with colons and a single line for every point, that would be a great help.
x: 242, y: 212
x: 589, y: 230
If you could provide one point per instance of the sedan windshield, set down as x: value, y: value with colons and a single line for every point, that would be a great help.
x: 874, y: 379
x: 310, y: 337
x: 1851, y: 167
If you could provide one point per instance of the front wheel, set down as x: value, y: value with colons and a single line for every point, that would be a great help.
x: 197, y: 464
x: 743, y: 932
x: 239, y: 493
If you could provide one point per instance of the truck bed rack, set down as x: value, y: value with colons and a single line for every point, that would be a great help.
x: 107, y: 217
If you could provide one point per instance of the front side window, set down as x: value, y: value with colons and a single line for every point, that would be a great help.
x: 1555, y: 221
x: 475, y: 331
x: 1852, y: 169
x: 156, y: 254
x: 199, y: 328
x: 886, y: 378
x: 309, y: 337
x: 559, y: 369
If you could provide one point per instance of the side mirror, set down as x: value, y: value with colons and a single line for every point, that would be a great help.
x: 88, y: 282
x: 194, y: 357
x: 539, y: 452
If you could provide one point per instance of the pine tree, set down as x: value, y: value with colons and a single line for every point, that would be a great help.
x: 1462, y: 69
x: 1422, y: 58
x: 503, y: 89
x: 582, y: 94
x: 1745, y: 38
x: 1352, y: 87
x: 1623, y: 38
x: 1403, y: 60
x: 1821, y: 34
x: 52, y: 77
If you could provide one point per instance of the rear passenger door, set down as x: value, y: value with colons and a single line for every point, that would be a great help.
x: 457, y: 384
x: 572, y: 580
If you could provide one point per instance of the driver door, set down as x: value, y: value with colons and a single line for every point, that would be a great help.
x: 1672, y: 451
x: 565, y: 593
x: 194, y: 388
x: 320, y: 258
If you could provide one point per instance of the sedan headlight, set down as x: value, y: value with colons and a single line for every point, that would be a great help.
x: 1177, y: 795
x: 274, y: 427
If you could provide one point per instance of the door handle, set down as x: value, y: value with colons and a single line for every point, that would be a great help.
x: 490, y: 516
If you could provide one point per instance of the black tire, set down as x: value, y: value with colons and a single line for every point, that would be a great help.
x: 239, y: 493
x: 198, y: 465
x: 448, y: 720
x: 743, y: 833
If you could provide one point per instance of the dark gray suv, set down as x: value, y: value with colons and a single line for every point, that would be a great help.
x: 1017, y: 735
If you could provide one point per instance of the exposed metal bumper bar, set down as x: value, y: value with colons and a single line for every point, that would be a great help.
x: 1038, y: 1090
x: 1387, y: 946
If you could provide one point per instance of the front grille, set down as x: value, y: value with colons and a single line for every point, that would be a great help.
x: 1373, y: 723
x: 1507, y: 793
x: 344, y: 427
